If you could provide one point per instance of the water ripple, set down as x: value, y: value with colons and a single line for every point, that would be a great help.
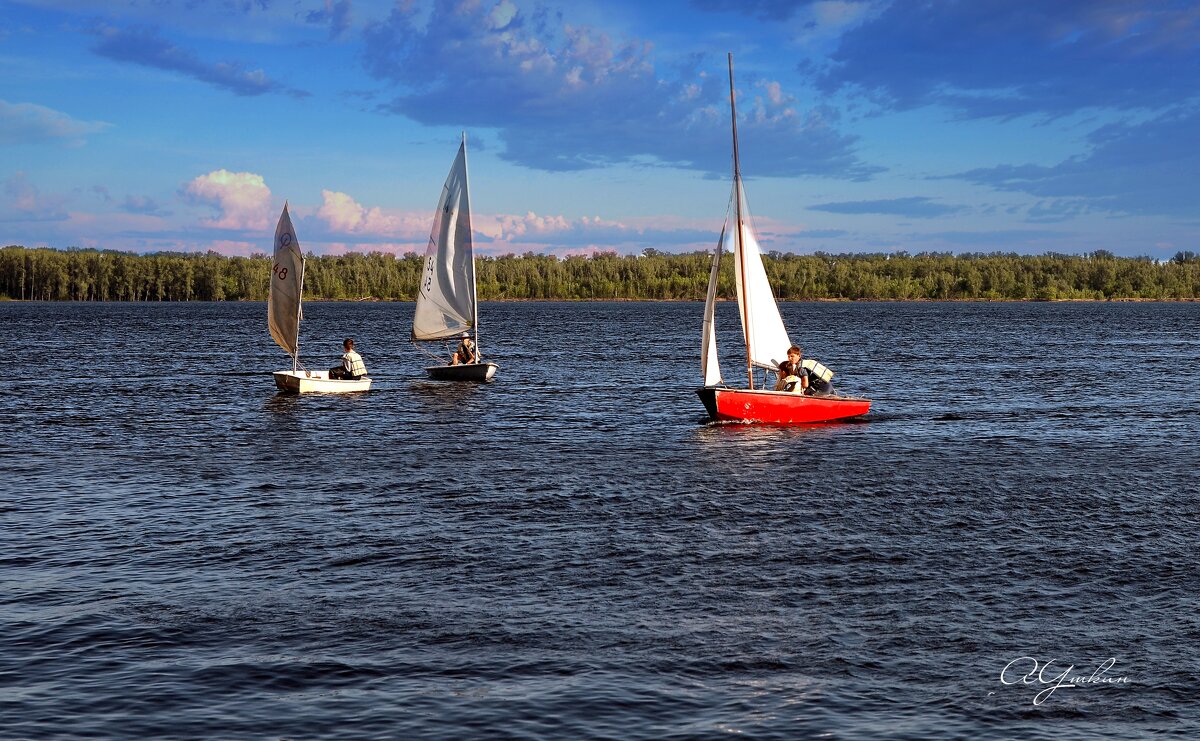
x: 573, y: 551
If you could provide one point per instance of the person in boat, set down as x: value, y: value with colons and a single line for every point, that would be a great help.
x: 352, y: 367
x: 465, y: 352
x: 804, y: 378
x: 791, y: 374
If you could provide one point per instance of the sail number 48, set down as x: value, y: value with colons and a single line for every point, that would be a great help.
x: 280, y: 273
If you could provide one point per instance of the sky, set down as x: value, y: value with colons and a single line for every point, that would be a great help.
x: 864, y: 125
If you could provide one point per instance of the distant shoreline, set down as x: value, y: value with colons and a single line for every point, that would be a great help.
x: 88, y: 275
x: 319, y: 300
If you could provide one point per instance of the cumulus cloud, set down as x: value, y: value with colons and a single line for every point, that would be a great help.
x: 242, y: 198
x: 345, y: 216
x: 341, y: 223
x: 567, y: 97
x: 144, y: 46
x: 29, y: 123
x: 531, y: 224
x: 556, y: 231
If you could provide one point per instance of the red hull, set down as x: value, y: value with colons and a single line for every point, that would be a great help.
x: 778, y: 407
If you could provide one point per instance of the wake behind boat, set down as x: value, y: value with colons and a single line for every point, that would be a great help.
x: 762, y: 327
x: 284, y: 313
x: 447, y: 308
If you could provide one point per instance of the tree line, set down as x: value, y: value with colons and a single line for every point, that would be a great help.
x: 40, y: 274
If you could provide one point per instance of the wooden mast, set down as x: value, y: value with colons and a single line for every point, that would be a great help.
x: 299, y: 312
x: 474, y: 293
x: 741, y: 250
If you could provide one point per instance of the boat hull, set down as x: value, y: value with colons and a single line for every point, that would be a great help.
x: 476, y: 372
x: 317, y: 382
x: 778, y: 407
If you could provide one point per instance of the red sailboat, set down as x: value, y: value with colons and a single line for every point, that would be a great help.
x: 766, y: 339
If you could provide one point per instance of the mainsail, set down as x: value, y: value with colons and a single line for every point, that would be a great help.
x: 446, y: 304
x: 767, y: 341
x: 287, y: 285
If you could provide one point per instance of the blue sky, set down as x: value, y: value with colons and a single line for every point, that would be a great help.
x: 963, y: 126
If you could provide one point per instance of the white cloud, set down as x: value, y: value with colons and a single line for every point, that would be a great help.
x: 344, y: 215
x: 243, y: 199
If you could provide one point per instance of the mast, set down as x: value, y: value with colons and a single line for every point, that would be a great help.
x: 737, y: 194
x: 474, y: 296
x: 299, y: 314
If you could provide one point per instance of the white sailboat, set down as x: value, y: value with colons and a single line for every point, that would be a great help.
x: 762, y: 327
x: 447, y: 308
x: 284, y: 312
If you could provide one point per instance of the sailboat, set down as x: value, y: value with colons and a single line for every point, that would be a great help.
x: 446, y: 305
x: 766, y: 338
x: 284, y: 313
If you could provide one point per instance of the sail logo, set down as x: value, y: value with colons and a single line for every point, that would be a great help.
x: 1029, y: 671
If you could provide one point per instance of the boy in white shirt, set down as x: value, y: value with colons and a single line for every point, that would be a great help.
x: 352, y: 367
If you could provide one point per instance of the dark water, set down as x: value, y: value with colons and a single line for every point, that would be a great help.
x: 572, y: 552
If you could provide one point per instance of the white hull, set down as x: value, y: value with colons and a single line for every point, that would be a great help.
x: 317, y: 382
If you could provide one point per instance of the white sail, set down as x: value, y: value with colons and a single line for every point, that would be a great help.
x: 446, y: 302
x: 708, y: 343
x: 766, y: 340
x: 287, y: 285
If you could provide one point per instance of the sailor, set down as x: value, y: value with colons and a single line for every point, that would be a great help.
x: 465, y: 352
x: 791, y: 373
x: 352, y: 367
x: 804, y: 376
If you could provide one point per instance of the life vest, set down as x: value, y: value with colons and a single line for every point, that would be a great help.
x: 466, y: 353
x: 817, y: 369
x: 353, y: 363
